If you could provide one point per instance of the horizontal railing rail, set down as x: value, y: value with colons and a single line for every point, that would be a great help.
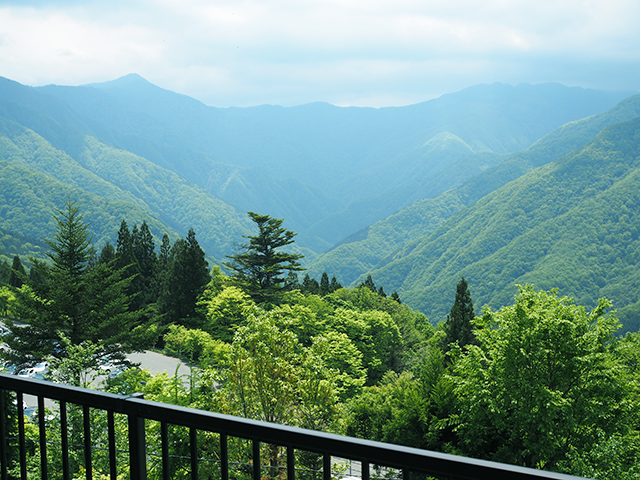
x: 138, y: 410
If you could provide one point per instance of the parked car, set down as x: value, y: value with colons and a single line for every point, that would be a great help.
x: 31, y: 373
x: 42, y: 368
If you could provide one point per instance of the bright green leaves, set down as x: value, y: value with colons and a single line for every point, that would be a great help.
x: 270, y: 376
x: 540, y: 380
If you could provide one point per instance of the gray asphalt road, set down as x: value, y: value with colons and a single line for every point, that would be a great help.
x: 158, y: 363
x: 152, y: 361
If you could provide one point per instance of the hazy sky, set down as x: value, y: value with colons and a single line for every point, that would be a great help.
x: 346, y: 52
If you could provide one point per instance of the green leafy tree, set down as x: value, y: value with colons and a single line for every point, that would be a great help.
x: 407, y: 409
x: 7, y: 297
x: 74, y: 302
x: 259, y: 268
x: 459, y: 327
x: 542, y: 381
x: 225, y: 312
x: 374, y: 333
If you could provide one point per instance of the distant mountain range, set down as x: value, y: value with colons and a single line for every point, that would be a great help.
x: 368, y: 190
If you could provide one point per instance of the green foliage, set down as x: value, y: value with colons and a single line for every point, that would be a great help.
x: 572, y: 224
x: 458, y: 326
x: 374, y: 333
x: 272, y: 377
x: 194, y: 345
x: 7, y: 297
x: 407, y: 410
x: 76, y: 366
x: 18, y: 273
x: 224, y: 312
x: 259, y: 268
x: 185, y: 277
x: 75, y: 301
x: 541, y: 382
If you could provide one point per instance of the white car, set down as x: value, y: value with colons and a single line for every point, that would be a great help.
x: 42, y: 368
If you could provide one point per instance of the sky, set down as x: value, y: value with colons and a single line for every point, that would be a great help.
x: 346, y: 52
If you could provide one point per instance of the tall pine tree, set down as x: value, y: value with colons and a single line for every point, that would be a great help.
x: 259, y: 268
x: 185, y: 278
x: 458, y: 326
x: 17, y: 273
x: 74, y: 302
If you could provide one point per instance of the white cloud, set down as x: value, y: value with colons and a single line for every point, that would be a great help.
x: 247, y: 52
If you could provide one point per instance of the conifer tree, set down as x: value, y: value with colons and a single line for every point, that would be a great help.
x: 334, y: 285
x: 396, y: 297
x: 310, y: 285
x: 458, y: 326
x: 292, y: 282
x: 187, y: 275
x: 17, y: 273
x: 5, y: 272
x: 325, y: 286
x: 107, y: 254
x: 258, y: 269
x: 124, y: 248
x: 369, y: 284
x: 143, y: 284
x: 73, y: 302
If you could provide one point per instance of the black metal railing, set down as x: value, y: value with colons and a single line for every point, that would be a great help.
x: 139, y: 413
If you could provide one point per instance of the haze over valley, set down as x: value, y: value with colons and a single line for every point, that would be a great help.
x: 367, y: 190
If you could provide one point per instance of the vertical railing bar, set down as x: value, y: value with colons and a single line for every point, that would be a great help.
x: 326, y: 466
x: 164, y: 436
x: 64, y: 441
x: 291, y: 463
x: 111, y: 426
x: 365, y: 470
x: 44, y: 472
x: 256, y: 460
x: 86, y: 421
x: 193, y: 440
x: 3, y: 438
x: 137, y: 445
x: 21, y: 439
x: 224, y: 457
x: 406, y: 474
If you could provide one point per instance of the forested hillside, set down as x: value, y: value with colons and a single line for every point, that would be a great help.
x: 329, y: 171
x: 129, y: 149
x: 572, y: 224
x: 84, y: 167
x: 375, y: 245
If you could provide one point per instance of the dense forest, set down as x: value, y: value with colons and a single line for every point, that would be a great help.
x: 542, y: 382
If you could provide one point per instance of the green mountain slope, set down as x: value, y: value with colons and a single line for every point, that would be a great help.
x: 28, y: 201
x: 319, y: 166
x: 573, y: 224
x: 373, y: 247
x: 117, y: 175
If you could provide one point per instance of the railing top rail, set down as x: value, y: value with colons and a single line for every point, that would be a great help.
x: 377, y: 453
